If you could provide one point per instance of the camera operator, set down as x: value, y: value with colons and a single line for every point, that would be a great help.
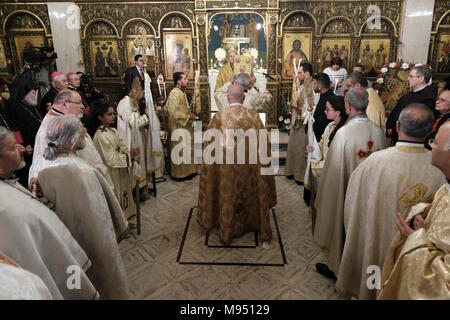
x: 91, y: 94
x: 38, y: 62
x: 59, y: 82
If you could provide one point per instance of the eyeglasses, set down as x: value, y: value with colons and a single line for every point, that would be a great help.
x: 80, y: 103
x: 432, y: 142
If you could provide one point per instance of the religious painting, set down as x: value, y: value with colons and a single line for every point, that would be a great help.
x: 243, y: 64
x: 296, y: 46
x: 23, y: 42
x: 443, y: 54
x: 178, y: 54
x: 105, y: 62
x: 396, y: 86
x: 247, y: 28
x: 335, y: 48
x: 374, y: 54
x: 3, y: 62
x: 145, y: 48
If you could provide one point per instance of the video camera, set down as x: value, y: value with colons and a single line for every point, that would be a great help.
x: 88, y: 89
x: 36, y: 57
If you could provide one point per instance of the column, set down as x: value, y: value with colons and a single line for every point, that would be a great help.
x: 65, y: 23
x: 416, y: 31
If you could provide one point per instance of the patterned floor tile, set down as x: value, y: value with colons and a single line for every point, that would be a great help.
x: 154, y: 273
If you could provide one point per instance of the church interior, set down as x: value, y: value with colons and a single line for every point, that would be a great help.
x: 168, y: 255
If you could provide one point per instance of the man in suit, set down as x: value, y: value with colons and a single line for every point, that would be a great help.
x: 137, y: 71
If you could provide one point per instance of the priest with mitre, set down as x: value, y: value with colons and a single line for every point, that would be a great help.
x: 236, y: 196
x: 227, y: 70
x: 417, y: 263
x: 352, y: 144
x: 389, y: 181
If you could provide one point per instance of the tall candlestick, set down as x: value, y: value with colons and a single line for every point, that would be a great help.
x: 165, y: 94
x: 335, y: 85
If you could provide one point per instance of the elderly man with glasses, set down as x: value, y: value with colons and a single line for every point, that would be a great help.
x: 66, y: 102
x: 422, y: 92
x: 443, y: 106
x: 59, y: 82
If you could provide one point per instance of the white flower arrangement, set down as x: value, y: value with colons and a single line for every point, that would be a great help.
x: 384, y: 70
x: 380, y: 80
x: 287, y: 121
x: 254, y: 53
x: 280, y: 118
x: 392, y: 65
x: 405, y: 66
x: 220, y: 54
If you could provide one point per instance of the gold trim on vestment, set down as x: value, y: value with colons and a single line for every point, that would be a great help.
x: 412, y: 149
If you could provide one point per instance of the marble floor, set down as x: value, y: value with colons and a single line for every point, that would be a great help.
x: 170, y: 259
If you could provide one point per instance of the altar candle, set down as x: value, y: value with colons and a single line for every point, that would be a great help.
x: 335, y: 85
x: 159, y: 87
x: 165, y: 94
x: 260, y: 63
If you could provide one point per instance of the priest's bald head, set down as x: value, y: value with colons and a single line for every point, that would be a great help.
x: 440, y: 149
x: 236, y: 94
x: 356, y: 101
x: 415, y: 122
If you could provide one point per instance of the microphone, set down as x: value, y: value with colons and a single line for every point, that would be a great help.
x: 268, y: 76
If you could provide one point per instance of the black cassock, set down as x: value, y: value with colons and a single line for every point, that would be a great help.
x: 427, y: 96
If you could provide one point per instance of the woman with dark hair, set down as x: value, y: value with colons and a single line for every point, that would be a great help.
x: 337, y: 74
x: 335, y: 111
x: 114, y: 154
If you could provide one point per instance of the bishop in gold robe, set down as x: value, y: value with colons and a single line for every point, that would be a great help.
x: 389, y: 181
x: 417, y: 264
x: 236, y: 198
x: 181, y: 117
x: 226, y: 71
x: 352, y: 144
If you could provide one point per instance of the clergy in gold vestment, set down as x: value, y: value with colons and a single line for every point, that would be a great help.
x: 181, y: 117
x: 116, y: 157
x: 375, y: 109
x: 301, y: 98
x: 352, y: 143
x: 417, y: 264
x: 389, y: 181
x: 227, y: 70
x: 235, y: 198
